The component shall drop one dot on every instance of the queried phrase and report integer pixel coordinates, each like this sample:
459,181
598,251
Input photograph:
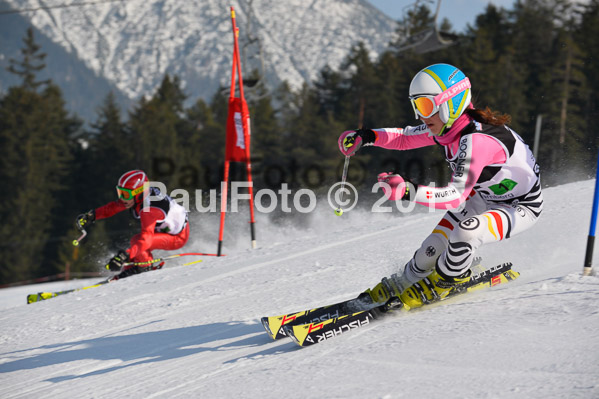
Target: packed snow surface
194,331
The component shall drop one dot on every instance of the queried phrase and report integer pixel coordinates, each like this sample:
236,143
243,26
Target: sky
458,12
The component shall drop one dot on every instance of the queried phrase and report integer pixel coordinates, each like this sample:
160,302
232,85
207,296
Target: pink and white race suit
494,192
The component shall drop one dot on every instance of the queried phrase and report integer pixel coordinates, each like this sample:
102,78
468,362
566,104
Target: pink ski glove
349,142
394,186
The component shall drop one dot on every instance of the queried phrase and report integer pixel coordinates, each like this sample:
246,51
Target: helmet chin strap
448,123
443,130
446,127
451,121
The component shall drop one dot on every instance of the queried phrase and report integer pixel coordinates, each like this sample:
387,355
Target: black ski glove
116,263
86,219
368,135
130,272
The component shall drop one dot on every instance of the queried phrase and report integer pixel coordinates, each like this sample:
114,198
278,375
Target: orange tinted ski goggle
428,105
128,194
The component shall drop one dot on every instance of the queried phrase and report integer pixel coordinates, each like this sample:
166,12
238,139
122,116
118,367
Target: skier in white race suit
494,192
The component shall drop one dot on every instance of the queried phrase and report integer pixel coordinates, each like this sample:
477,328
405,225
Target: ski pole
168,258
339,211
192,263
78,240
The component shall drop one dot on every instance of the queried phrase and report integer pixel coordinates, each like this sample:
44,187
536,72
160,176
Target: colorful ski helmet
131,185
440,88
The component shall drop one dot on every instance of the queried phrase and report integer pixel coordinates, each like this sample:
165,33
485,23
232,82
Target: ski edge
312,333
273,325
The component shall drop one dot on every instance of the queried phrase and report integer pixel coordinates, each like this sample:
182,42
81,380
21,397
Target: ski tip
31,298
511,275
290,333
266,326
40,296
274,326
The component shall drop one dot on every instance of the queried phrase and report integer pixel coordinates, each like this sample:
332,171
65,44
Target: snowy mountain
194,331
83,90
134,43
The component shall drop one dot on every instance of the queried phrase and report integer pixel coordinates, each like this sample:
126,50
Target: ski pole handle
78,240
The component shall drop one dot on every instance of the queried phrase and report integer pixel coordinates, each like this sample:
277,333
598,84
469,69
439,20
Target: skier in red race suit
163,223
494,192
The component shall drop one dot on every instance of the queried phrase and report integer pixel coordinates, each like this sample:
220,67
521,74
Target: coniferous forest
534,59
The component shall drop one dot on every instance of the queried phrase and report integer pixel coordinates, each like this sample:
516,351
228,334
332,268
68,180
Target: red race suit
163,224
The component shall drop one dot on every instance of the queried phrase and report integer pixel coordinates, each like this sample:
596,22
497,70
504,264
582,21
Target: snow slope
194,331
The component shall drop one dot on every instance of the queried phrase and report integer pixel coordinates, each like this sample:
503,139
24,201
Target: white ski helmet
440,88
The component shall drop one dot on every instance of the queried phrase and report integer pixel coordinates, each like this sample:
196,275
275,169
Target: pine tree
417,20
488,58
36,136
102,155
587,37
155,127
266,138
112,151
208,123
390,106
310,140
362,86
31,64
571,84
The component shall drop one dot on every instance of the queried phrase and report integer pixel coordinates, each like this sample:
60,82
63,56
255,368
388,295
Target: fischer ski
274,325
319,324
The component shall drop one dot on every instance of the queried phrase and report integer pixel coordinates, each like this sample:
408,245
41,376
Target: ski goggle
128,194
426,106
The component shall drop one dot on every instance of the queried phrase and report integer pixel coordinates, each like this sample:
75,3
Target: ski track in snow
195,331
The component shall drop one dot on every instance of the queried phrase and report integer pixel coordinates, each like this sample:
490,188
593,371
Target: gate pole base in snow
253,233
588,259
587,270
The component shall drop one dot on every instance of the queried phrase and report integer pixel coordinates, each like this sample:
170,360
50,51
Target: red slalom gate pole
237,146
223,208
246,127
